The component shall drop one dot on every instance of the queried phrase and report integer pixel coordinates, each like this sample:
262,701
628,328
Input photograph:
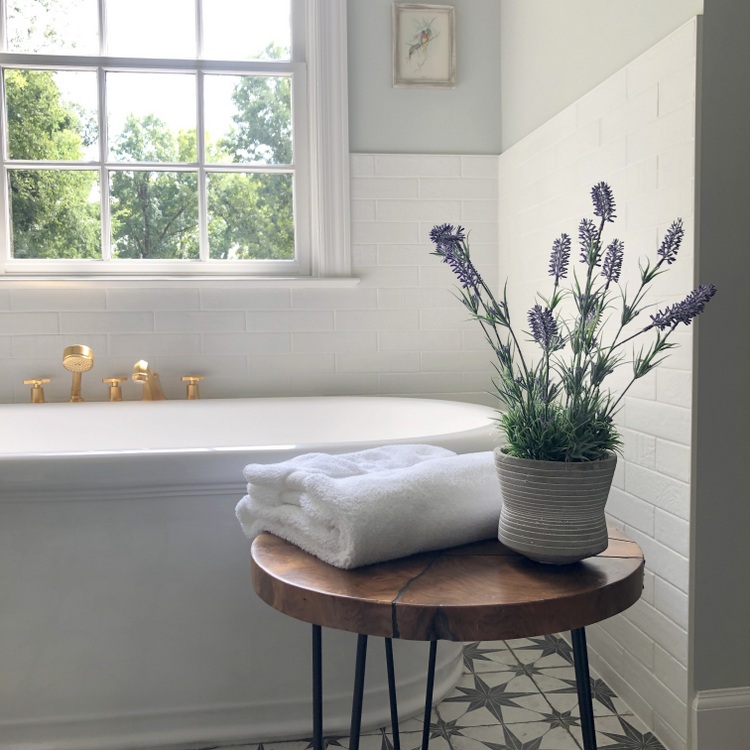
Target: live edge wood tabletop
475,592
480,591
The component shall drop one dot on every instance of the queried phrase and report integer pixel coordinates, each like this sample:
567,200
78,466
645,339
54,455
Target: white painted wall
519,63
554,51
635,131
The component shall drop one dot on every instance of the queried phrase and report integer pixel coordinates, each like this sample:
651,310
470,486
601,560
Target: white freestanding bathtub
127,616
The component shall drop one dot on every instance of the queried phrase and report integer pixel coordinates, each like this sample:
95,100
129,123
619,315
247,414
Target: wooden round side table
475,592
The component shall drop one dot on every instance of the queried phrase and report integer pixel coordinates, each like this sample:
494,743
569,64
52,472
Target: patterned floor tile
383,740
488,657
534,736
514,695
622,733
493,697
544,651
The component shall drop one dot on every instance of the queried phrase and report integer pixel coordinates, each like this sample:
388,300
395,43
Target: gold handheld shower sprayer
77,359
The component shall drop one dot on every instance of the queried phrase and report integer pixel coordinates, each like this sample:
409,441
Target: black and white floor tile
513,695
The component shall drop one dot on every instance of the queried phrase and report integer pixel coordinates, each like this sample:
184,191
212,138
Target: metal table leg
428,695
583,685
359,688
317,688
358,693
392,693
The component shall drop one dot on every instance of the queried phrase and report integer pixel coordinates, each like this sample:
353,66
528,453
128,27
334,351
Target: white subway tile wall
636,131
399,332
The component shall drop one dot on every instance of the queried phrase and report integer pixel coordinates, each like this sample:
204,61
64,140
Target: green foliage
262,130
551,432
52,212
154,213
250,216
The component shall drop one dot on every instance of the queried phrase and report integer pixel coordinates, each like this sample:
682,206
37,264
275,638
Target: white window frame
321,154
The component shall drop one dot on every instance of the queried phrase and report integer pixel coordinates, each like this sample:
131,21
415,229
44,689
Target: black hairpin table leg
392,693
317,688
359,689
428,695
583,686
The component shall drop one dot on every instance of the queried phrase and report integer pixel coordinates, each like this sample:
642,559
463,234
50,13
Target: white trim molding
720,719
329,139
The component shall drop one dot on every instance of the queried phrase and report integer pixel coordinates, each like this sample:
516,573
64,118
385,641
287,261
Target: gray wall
519,63
464,120
721,511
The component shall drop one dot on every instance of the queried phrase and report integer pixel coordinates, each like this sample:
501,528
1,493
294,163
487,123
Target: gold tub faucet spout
149,379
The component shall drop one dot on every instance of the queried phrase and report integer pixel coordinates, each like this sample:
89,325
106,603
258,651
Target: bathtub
128,618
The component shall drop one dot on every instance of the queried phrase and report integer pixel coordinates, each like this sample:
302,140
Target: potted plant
557,412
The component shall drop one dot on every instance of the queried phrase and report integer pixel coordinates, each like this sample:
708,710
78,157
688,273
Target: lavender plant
557,408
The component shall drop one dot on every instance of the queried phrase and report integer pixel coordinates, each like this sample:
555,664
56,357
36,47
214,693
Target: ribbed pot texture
553,511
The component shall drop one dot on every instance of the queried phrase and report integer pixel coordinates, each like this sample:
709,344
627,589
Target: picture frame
424,45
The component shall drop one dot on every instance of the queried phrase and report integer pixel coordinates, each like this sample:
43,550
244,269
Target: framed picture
424,45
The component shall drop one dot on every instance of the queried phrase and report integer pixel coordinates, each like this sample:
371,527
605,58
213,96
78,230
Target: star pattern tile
548,645
632,739
515,695
491,697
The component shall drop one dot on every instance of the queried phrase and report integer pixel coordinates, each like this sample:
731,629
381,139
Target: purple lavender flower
588,237
463,268
612,266
604,201
558,264
444,235
671,242
544,328
450,246
685,311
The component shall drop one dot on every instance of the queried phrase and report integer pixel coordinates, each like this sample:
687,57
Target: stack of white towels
372,505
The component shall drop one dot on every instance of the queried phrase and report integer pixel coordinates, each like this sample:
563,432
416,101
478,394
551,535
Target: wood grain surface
475,592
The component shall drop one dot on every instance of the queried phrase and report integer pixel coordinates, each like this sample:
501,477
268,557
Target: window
173,137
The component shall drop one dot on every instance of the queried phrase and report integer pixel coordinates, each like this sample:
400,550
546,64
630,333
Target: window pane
151,117
51,115
54,214
151,28
246,29
154,215
251,116
53,26
250,216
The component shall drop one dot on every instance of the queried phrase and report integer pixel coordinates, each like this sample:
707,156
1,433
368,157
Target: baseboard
216,726
720,719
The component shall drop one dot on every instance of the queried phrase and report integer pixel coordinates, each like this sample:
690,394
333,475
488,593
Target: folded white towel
284,481
359,508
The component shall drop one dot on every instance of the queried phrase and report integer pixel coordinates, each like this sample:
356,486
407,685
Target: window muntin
223,137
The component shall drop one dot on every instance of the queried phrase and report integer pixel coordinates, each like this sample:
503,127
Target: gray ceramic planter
553,511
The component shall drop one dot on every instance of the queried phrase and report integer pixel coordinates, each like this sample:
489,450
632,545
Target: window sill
179,282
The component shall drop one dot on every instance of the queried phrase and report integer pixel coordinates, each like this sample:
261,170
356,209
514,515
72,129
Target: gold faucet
115,389
77,359
37,392
143,374
192,385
